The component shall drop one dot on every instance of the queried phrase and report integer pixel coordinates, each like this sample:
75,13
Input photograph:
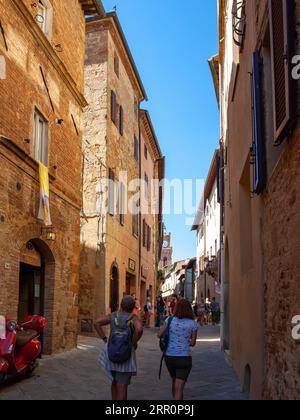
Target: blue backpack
164,339
121,339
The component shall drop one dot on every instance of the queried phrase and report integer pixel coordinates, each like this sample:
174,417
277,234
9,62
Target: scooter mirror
12,326
2,328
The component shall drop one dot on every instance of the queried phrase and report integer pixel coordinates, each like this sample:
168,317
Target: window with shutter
3,37
135,225
116,65
281,28
144,233
136,149
148,238
122,203
40,138
218,169
121,121
113,105
146,186
257,118
111,193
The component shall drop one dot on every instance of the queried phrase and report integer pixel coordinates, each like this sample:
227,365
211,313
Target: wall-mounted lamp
49,233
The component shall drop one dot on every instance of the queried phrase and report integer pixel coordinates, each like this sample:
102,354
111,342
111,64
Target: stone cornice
47,48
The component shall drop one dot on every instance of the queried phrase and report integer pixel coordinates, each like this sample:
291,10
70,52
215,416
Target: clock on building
166,244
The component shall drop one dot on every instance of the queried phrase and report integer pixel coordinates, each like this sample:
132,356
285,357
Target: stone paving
76,376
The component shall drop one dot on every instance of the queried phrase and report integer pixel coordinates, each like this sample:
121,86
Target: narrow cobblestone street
75,375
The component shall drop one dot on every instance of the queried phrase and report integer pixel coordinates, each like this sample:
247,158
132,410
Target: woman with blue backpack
178,335
118,358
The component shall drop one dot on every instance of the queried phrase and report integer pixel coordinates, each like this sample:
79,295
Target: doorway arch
114,288
226,299
37,285
31,282
247,379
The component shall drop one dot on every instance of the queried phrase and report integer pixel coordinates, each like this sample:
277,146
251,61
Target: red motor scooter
21,348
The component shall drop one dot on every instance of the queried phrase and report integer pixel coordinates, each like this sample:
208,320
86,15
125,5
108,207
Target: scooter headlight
12,326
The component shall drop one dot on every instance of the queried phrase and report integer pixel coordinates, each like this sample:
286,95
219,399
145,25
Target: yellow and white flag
44,211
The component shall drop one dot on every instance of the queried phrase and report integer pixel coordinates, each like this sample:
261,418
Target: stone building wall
148,257
281,233
243,274
263,269
93,225
122,246
105,242
29,51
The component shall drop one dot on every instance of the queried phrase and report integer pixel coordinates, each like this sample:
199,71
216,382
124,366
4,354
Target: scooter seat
24,337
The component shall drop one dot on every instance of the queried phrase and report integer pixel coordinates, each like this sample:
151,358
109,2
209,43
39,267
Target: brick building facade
259,98
41,119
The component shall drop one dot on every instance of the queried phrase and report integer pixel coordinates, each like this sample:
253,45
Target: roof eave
128,51
214,64
92,8
149,120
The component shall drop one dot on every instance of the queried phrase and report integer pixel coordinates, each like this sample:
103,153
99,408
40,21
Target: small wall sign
131,265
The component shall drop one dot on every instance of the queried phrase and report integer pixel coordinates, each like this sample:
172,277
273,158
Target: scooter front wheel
31,369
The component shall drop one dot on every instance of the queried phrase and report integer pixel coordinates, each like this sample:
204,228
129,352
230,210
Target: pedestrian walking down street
182,337
148,312
215,312
208,311
195,309
201,313
161,311
137,308
118,357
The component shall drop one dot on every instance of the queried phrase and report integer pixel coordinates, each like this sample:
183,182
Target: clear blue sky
171,41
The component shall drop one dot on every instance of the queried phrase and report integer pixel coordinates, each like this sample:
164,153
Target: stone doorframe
32,233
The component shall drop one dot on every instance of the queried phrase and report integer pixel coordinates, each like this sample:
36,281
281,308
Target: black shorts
179,367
